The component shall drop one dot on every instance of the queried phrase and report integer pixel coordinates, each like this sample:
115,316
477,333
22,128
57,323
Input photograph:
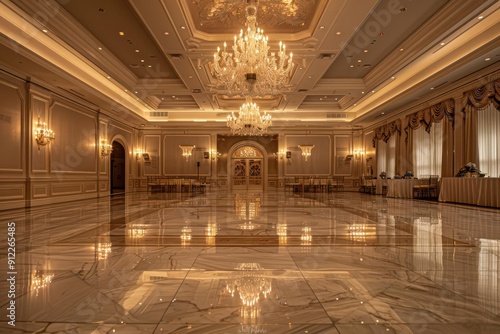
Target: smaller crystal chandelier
187,151
43,135
249,121
40,280
106,148
306,150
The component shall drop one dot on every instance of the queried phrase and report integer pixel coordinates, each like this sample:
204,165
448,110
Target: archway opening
117,171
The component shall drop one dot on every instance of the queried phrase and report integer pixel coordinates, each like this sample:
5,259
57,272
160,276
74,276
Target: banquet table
483,191
379,186
401,188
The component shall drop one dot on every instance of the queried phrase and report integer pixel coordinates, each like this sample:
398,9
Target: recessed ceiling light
326,97
45,30
135,92
322,27
401,49
355,104
190,77
166,33
310,76
136,50
303,24
359,60
99,48
362,92
487,59
365,51
108,77
300,68
432,88
382,113
373,91
142,60
338,33
480,17
443,43
121,33
352,66
126,90
183,27
173,96
392,78
149,66
321,99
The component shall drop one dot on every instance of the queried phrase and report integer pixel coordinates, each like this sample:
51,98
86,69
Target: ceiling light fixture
249,121
250,69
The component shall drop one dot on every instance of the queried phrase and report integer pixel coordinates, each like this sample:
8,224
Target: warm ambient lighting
249,69
43,135
281,154
306,150
358,153
106,148
249,121
40,280
187,151
214,154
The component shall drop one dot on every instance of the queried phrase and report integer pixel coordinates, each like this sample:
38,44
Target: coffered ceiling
149,60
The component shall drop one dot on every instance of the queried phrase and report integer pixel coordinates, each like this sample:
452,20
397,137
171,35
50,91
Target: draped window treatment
436,141
428,151
481,129
488,137
386,156
385,139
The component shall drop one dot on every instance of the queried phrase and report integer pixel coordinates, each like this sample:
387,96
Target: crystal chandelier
250,69
249,121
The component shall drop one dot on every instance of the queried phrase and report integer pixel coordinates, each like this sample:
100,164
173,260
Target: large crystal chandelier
249,121
250,69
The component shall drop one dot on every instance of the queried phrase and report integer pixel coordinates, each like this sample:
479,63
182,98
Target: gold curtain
385,131
428,116
473,101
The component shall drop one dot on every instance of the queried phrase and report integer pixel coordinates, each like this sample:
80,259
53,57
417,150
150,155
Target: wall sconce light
358,153
281,154
138,154
43,135
214,154
187,150
106,148
306,150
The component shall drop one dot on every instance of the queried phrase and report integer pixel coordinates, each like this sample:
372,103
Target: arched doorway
247,168
117,170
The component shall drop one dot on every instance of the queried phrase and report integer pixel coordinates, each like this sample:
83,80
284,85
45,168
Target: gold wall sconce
212,154
187,151
106,148
306,150
43,135
358,153
280,155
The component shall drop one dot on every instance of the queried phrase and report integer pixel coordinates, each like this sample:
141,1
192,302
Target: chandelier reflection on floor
250,69
249,121
250,282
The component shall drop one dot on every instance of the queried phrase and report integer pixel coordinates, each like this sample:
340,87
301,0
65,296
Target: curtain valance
386,131
479,98
433,114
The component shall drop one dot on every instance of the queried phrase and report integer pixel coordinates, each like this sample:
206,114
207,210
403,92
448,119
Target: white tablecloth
401,188
379,184
484,191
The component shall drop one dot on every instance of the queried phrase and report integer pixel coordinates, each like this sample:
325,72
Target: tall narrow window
428,150
488,133
386,156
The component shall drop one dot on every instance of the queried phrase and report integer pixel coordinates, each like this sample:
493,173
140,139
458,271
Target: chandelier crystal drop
250,69
249,121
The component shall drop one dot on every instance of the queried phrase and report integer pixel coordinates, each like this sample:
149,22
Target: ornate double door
247,169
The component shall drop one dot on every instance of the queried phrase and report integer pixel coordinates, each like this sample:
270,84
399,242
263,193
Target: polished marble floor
245,262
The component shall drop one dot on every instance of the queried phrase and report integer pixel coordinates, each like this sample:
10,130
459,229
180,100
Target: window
488,133
386,156
428,150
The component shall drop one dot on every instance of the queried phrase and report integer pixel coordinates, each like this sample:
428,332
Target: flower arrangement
470,169
383,175
408,175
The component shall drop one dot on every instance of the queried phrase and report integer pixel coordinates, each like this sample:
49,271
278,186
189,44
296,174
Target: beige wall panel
90,187
66,189
11,192
369,158
11,107
343,149
318,164
40,190
104,185
175,164
74,149
152,147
